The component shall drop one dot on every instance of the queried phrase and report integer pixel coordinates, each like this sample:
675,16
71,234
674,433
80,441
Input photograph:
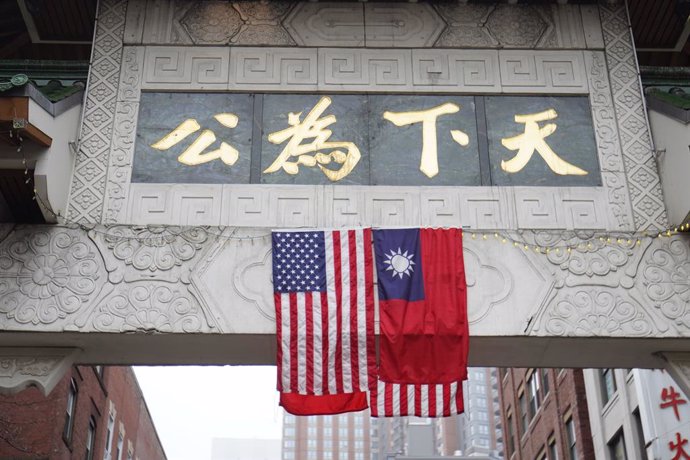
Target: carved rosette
48,275
154,248
147,307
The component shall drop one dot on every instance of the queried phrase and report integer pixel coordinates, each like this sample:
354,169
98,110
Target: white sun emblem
400,263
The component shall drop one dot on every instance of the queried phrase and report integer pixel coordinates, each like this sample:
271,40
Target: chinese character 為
671,398
194,154
428,164
533,139
345,154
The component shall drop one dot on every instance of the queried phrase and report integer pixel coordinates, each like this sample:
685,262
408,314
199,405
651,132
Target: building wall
564,401
336,437
32,424
673,138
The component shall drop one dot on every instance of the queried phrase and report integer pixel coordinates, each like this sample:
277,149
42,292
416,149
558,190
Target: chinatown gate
207,124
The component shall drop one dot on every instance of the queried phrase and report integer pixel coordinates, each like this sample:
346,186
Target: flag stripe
331,313
345,315
433,400
318,343
279,339
338,277
354,311
309,329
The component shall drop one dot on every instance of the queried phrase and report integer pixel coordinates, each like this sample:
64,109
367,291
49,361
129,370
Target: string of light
620,239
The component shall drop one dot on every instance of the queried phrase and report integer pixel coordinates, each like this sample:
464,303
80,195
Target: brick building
545,414
94,412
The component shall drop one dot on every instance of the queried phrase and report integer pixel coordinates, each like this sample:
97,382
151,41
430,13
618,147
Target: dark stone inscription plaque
573,139
394,139
161,113
396,151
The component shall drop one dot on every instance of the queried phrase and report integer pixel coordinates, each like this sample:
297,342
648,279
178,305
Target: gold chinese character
428,164
533,139
313,127
194,154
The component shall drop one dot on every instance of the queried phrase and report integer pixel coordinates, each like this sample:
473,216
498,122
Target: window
289,419
608,385
617,447
342,444
328,432
544,374
327,421
359,421
483,429
570,438
311,443
344,455
541,455
288,455
524,420
109,436
120,443
639,432
289,431
534,398
342,432
90,438
69,412
359,432
481,415
312,431
289,443
480,402
311,455
553,451
511,441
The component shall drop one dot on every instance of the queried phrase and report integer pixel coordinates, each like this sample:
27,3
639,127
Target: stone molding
42,367
291,206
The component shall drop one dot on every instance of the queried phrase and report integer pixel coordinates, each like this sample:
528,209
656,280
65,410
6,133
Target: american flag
323,290
421,400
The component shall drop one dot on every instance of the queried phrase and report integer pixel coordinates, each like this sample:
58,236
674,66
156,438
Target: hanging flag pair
325,314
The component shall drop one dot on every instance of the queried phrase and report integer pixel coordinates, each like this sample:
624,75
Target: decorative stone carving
221,23
489,283
120,157
155,247
666,282
519,26
648,207
147,307
465,25
47,275
595,312
43,367
89,179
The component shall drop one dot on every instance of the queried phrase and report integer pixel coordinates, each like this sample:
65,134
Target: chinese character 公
428,163
671,398
345,154
194,154
678,448
533,139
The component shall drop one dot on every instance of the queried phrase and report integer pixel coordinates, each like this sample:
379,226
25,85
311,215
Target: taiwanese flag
423,306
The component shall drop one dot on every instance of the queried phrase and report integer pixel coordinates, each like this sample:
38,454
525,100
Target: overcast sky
191,405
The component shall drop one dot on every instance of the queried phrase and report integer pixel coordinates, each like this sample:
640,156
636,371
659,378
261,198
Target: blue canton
299,262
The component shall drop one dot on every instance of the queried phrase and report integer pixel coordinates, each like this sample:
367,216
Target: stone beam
176,295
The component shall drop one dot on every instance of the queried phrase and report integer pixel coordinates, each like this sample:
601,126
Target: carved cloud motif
667,280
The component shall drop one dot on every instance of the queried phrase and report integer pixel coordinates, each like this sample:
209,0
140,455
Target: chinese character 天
194,154
428,163
533,139
318,152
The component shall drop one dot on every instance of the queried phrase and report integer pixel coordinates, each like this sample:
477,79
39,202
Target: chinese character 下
533,139
678,448
345,154
428,163
194,154
671,398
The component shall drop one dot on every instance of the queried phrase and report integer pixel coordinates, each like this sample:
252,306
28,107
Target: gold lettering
345,154
428,163
533,139
194,154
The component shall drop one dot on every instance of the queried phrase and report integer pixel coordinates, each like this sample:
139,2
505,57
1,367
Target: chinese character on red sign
671,398
677,448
